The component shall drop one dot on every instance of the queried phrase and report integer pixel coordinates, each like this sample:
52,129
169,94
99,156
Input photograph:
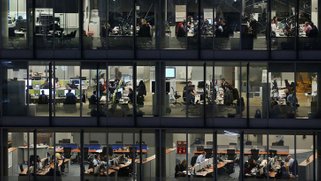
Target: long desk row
45,170
283,153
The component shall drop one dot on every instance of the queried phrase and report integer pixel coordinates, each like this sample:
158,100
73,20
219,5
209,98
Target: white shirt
200,158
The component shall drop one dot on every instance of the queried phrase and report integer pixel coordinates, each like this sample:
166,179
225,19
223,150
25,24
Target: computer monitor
170,72
168,87
46,91
60,93
75,81
153,86
201,84
72,91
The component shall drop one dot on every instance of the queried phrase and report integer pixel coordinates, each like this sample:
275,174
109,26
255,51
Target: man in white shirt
201,158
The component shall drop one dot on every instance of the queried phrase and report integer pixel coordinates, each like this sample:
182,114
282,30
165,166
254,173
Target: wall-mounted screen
170,72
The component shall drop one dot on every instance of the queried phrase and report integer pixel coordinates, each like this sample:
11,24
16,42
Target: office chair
272,153
176,96
231,155
67,152
255,154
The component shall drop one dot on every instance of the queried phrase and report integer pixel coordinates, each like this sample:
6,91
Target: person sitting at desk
293,166
180,168
43,98
201,158
93,99
188,93
70,98
45,85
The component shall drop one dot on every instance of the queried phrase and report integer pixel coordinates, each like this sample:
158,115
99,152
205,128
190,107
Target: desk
283,153
77,150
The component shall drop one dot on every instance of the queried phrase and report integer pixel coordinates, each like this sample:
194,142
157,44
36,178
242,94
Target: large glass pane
14,24
207,24
258,93
283,103
124,155
56,24
18,156
119,92
97,163
89,76
147,154
228,155
15,89
120,23
254,23
283,25
200,156
210,91
176,156
308,24
194,92
67,155
145,24
175,99
39,88
180,19
45,166
255,160
283,157
304,157
228,102
67,90
96,27
146,94
227,15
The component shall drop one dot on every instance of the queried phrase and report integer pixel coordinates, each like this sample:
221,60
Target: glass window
176,159
39,88
91,92
283,98
304,157
145,24
15,89
126,147
146,91
147,154
228,154
56,24
19,153
227,24
226,91
254,23
207,24
15,27
119,92
96,27
68,87
255,160
257,86
99,155
67,155
120,23
181,21
309,25
283,25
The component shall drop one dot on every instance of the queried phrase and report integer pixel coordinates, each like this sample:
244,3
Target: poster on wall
180,13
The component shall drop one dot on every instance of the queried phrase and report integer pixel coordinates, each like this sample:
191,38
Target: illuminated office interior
94,90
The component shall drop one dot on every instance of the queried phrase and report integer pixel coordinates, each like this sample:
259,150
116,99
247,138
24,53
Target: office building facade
139,89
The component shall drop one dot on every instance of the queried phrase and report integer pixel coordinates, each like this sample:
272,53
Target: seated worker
70,98
180,168
93,99
188,93
58,157
201,157
45,85
43,98
293,166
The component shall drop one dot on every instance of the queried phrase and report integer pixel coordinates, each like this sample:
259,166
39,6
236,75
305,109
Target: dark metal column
241,156
318,147
82,167
160,154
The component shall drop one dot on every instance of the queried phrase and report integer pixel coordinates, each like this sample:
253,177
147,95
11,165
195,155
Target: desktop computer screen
170,72
72,91
46,91
75,81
